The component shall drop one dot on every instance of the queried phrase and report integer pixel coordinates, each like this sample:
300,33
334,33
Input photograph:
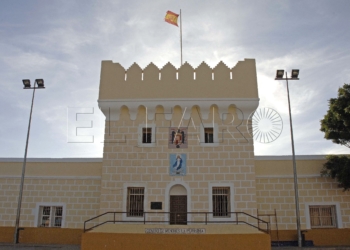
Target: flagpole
181,36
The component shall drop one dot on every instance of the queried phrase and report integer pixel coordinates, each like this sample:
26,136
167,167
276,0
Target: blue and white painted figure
177,164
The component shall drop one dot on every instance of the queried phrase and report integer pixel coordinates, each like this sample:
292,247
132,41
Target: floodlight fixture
279,74
295,73
40,83
294,76
26,83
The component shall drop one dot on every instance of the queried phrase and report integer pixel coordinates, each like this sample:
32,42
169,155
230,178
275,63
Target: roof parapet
185,82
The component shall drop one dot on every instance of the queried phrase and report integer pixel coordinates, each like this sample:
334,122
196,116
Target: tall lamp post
279,76
40,85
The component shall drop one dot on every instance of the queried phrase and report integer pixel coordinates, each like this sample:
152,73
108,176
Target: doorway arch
179,193
178,205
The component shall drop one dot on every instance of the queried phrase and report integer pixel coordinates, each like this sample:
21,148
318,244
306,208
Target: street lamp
294,76
40,85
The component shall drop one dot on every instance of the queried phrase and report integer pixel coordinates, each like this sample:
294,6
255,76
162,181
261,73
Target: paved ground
4,246
310,248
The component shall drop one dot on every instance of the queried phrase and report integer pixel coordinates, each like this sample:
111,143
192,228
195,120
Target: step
176,229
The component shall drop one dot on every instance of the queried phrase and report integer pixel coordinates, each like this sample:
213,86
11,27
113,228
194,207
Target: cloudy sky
64,42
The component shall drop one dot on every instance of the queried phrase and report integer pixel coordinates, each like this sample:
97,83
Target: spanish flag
171,17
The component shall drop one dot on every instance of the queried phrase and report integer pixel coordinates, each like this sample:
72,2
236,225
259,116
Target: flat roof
289,157
257,157
52,159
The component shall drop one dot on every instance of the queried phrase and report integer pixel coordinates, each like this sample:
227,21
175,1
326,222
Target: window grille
323,217
135,201
208,135
50,216
146,135
58,216
221,201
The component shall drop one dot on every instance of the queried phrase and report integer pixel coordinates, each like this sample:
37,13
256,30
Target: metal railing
232,218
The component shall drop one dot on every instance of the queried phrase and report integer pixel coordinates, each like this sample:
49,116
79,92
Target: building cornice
245,106
288,157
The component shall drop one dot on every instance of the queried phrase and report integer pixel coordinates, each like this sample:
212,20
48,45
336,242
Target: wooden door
178,209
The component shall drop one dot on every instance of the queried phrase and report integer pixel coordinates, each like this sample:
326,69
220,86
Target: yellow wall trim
108,241
320,237
40,235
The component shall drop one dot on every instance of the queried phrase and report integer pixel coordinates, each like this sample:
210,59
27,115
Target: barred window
135,201
146,135
208,135
323,216
221,201
50,216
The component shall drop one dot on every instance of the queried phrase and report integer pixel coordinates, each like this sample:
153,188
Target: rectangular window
221,201
135,201
209,135
50,216
146,135
323,216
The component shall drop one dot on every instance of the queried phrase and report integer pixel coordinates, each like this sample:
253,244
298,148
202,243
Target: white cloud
64,43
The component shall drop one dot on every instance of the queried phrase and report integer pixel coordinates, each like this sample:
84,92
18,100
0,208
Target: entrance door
178,209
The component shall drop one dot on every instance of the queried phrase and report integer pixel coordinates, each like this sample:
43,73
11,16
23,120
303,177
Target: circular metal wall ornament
265,125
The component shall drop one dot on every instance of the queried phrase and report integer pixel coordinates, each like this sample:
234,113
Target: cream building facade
205,105
70,184
75,184
177,142
318,196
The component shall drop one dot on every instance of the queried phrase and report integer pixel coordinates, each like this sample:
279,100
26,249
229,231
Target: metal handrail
205,221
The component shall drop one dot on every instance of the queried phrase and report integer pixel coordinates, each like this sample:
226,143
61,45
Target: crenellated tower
176,140
186,87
